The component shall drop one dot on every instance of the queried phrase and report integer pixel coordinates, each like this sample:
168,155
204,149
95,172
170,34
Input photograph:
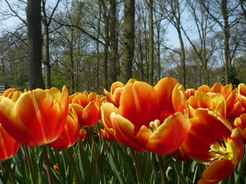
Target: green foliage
58,80
233,79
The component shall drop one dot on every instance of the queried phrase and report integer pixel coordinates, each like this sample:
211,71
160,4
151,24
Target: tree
151,43
114,56
47,22
225,14
34,33
172,11
204,46
128,40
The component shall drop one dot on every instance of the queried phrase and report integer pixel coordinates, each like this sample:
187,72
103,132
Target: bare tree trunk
46,23
226,31
47,58
151,44
128,40
71,57
113,66
106,46
34,44
182,48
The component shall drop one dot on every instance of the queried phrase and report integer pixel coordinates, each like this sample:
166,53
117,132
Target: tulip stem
49,172
74,165
10,170
137,166
29,162
163,169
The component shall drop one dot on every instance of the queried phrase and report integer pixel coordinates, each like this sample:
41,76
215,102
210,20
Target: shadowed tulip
37,117
8,145
56,168
82,134
149,118
70,134
240,124
213,139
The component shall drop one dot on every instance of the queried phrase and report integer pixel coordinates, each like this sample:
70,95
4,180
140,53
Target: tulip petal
216,172
164,89
124,132
170,135
139,104
91,115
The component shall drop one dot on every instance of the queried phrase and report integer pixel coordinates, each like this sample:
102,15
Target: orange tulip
37,117
114,95
56,167
8,145
240,124
213,139
88,110
70,134
82,134
148,118
223,99
116,89
12,93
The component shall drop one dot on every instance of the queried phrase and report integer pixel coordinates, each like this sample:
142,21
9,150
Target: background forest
89,44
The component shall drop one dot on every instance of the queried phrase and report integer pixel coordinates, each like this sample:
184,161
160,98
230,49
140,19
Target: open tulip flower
88,110
37,117
223,99
70,134
149,118
214,140
8,145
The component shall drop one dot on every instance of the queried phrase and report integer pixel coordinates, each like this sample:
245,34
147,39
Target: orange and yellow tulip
88,108
70,134
82,134
148,118
37,117
116,89
214,140
56,168
8,145
223,99
12,93
240,124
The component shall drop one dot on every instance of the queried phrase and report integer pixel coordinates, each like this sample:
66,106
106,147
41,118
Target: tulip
240,124
56,167
82,134
8,145
223,99
116,89
149,118
37,117
12,93
70,134
214,140
88,110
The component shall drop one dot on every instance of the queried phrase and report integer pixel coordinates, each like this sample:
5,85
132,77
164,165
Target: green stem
10,170
137,166
232,178
29,163
240,170
163,169
46,159
74,165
